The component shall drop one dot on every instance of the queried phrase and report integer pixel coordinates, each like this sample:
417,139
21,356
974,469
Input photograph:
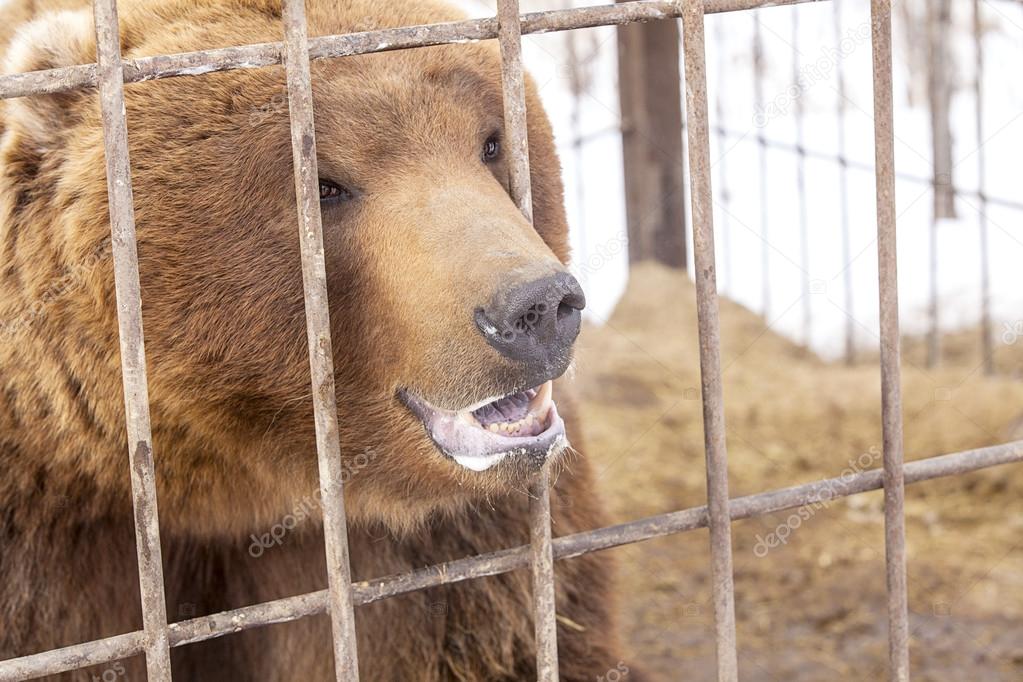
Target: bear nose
535,322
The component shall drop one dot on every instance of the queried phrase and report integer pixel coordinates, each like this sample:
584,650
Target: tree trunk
651,112
939,79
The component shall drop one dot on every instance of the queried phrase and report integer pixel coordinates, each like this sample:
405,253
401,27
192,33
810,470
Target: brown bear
451,315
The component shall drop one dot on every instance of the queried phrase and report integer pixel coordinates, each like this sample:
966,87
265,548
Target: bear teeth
533,404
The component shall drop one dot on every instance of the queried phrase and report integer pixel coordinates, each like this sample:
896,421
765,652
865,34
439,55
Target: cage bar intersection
295,51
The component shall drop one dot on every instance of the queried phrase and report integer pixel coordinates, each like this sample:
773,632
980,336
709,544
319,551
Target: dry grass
814,608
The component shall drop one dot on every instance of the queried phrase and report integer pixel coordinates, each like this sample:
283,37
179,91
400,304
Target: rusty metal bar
513,82
542,566
268,54
516,140
891,391
494,563
268,613
73,657
321,363
132,341
710,338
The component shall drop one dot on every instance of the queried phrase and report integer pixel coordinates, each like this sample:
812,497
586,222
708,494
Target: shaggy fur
429,235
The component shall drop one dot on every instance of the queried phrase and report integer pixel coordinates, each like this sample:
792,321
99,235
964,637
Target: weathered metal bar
891,390
73,657
513,82
268,54
132,342
257,615
516,139
321,363
503,561
710,338
545,624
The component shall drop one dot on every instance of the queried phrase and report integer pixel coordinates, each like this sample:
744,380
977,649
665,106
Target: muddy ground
813,607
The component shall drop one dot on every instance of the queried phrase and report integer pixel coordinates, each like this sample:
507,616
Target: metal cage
295,52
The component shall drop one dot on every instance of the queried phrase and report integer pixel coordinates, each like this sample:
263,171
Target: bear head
450,313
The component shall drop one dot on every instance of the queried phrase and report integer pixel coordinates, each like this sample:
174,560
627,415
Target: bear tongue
511,408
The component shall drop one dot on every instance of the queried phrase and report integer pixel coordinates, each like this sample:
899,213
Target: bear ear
53,40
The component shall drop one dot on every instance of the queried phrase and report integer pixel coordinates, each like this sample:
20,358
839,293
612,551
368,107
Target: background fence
158,636
791,162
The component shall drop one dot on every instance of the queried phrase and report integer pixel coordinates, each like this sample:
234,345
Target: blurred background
791,115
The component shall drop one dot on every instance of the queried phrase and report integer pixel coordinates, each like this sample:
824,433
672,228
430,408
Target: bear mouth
524,424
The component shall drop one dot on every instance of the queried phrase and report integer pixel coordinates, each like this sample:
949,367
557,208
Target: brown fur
431,235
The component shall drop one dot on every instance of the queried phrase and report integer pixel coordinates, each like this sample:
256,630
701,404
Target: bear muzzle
524,425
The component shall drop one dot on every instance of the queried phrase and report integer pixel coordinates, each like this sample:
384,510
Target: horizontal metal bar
503,561
74,657
259,55
228,622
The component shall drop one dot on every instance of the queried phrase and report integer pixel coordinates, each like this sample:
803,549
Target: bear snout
535,323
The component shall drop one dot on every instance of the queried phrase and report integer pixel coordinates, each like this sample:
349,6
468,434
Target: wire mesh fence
809,135
944,188
295,51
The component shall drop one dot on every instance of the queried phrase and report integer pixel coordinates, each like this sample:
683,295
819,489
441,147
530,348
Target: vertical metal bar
758,96
321,363
513,82
542,566
804,228
517,142
986,340
710,339
891,398
132,342
843,192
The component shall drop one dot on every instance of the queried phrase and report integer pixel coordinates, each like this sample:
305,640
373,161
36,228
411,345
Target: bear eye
331,191
491,148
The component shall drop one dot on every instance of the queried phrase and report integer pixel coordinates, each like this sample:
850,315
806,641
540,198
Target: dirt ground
813,607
